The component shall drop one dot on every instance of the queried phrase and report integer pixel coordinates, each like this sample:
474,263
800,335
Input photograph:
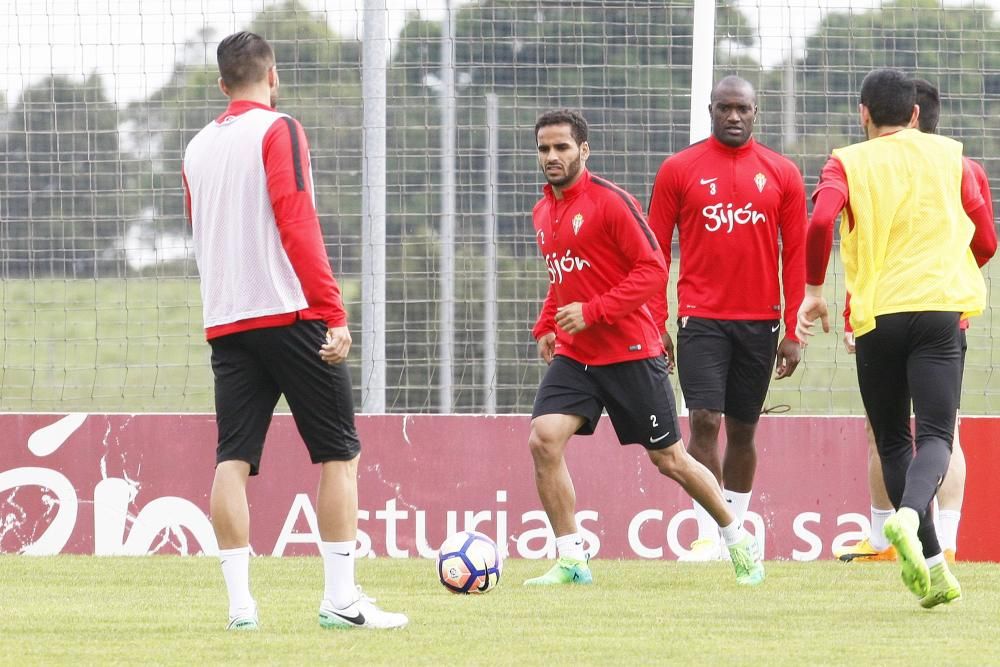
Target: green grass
172,610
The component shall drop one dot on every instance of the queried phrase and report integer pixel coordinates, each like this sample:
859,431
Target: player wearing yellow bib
875,547
905,244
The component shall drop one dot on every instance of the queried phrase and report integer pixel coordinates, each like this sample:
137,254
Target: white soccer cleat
702,551
244,620
362,613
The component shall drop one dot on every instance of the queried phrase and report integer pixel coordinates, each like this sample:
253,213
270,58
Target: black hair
576,121
889,95
244,58
929,101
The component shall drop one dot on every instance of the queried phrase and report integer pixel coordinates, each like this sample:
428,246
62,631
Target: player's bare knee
705,423
545,447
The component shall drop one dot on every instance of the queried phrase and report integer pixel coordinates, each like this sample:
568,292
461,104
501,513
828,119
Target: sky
133,44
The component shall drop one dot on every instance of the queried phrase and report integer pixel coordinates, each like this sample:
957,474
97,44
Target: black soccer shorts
254,368
726,365
636,394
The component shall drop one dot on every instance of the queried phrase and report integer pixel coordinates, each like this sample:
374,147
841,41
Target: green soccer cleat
565,571
901,529
747,561
944,587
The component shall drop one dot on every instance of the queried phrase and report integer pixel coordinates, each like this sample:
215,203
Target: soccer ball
469,562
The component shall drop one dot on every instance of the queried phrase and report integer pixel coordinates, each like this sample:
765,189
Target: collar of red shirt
730,150
237,107
572,191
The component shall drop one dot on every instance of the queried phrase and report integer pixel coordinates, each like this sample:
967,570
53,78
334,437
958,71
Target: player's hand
338,344
813,307
849,342
668,352
547,347
789,356
569,318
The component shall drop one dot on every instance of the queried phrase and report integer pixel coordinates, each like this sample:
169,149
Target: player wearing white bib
274,318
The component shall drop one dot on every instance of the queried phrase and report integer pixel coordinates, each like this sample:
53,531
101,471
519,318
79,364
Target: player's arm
848,329
289,185
187,197
980,211
792,222
544,331
629,233
664,212
664,208
828,201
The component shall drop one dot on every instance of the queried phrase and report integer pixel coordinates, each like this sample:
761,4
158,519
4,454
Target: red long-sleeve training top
599,251
730,207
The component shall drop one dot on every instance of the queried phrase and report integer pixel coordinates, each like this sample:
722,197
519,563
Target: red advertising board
135,484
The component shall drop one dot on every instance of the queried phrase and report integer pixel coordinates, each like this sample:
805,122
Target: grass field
172,610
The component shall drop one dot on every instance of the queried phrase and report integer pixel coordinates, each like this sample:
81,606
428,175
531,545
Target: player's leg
882,356
876,546
566,404
754,348
952,491
245,397
950,498
934,370
640,404
703,357
321,401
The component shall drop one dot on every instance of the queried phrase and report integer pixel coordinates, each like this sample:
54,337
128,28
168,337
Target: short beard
572,171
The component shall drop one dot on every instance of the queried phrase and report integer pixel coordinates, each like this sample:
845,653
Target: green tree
63,205
957,49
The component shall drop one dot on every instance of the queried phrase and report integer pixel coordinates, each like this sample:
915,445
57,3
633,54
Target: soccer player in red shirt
602,346
876,546
276,324
730,199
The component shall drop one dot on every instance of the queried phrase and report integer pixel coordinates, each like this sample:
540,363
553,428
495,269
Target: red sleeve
792,222
978,205
546,322
630,234
847,314
289,183
664,210
829,200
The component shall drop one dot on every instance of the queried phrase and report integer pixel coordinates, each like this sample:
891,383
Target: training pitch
172,610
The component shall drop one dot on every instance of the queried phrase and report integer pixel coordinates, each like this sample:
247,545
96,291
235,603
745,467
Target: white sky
133,44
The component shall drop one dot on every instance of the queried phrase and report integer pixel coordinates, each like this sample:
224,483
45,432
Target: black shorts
254,368
636,394
726,365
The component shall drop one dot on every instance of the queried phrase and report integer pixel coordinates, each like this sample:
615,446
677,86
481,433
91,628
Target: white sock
338,573
708,529
733,533
935,560
571,546
877,537
236,571
947,528
738,503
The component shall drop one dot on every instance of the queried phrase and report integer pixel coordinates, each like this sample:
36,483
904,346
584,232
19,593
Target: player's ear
584,151
223,87
914,122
